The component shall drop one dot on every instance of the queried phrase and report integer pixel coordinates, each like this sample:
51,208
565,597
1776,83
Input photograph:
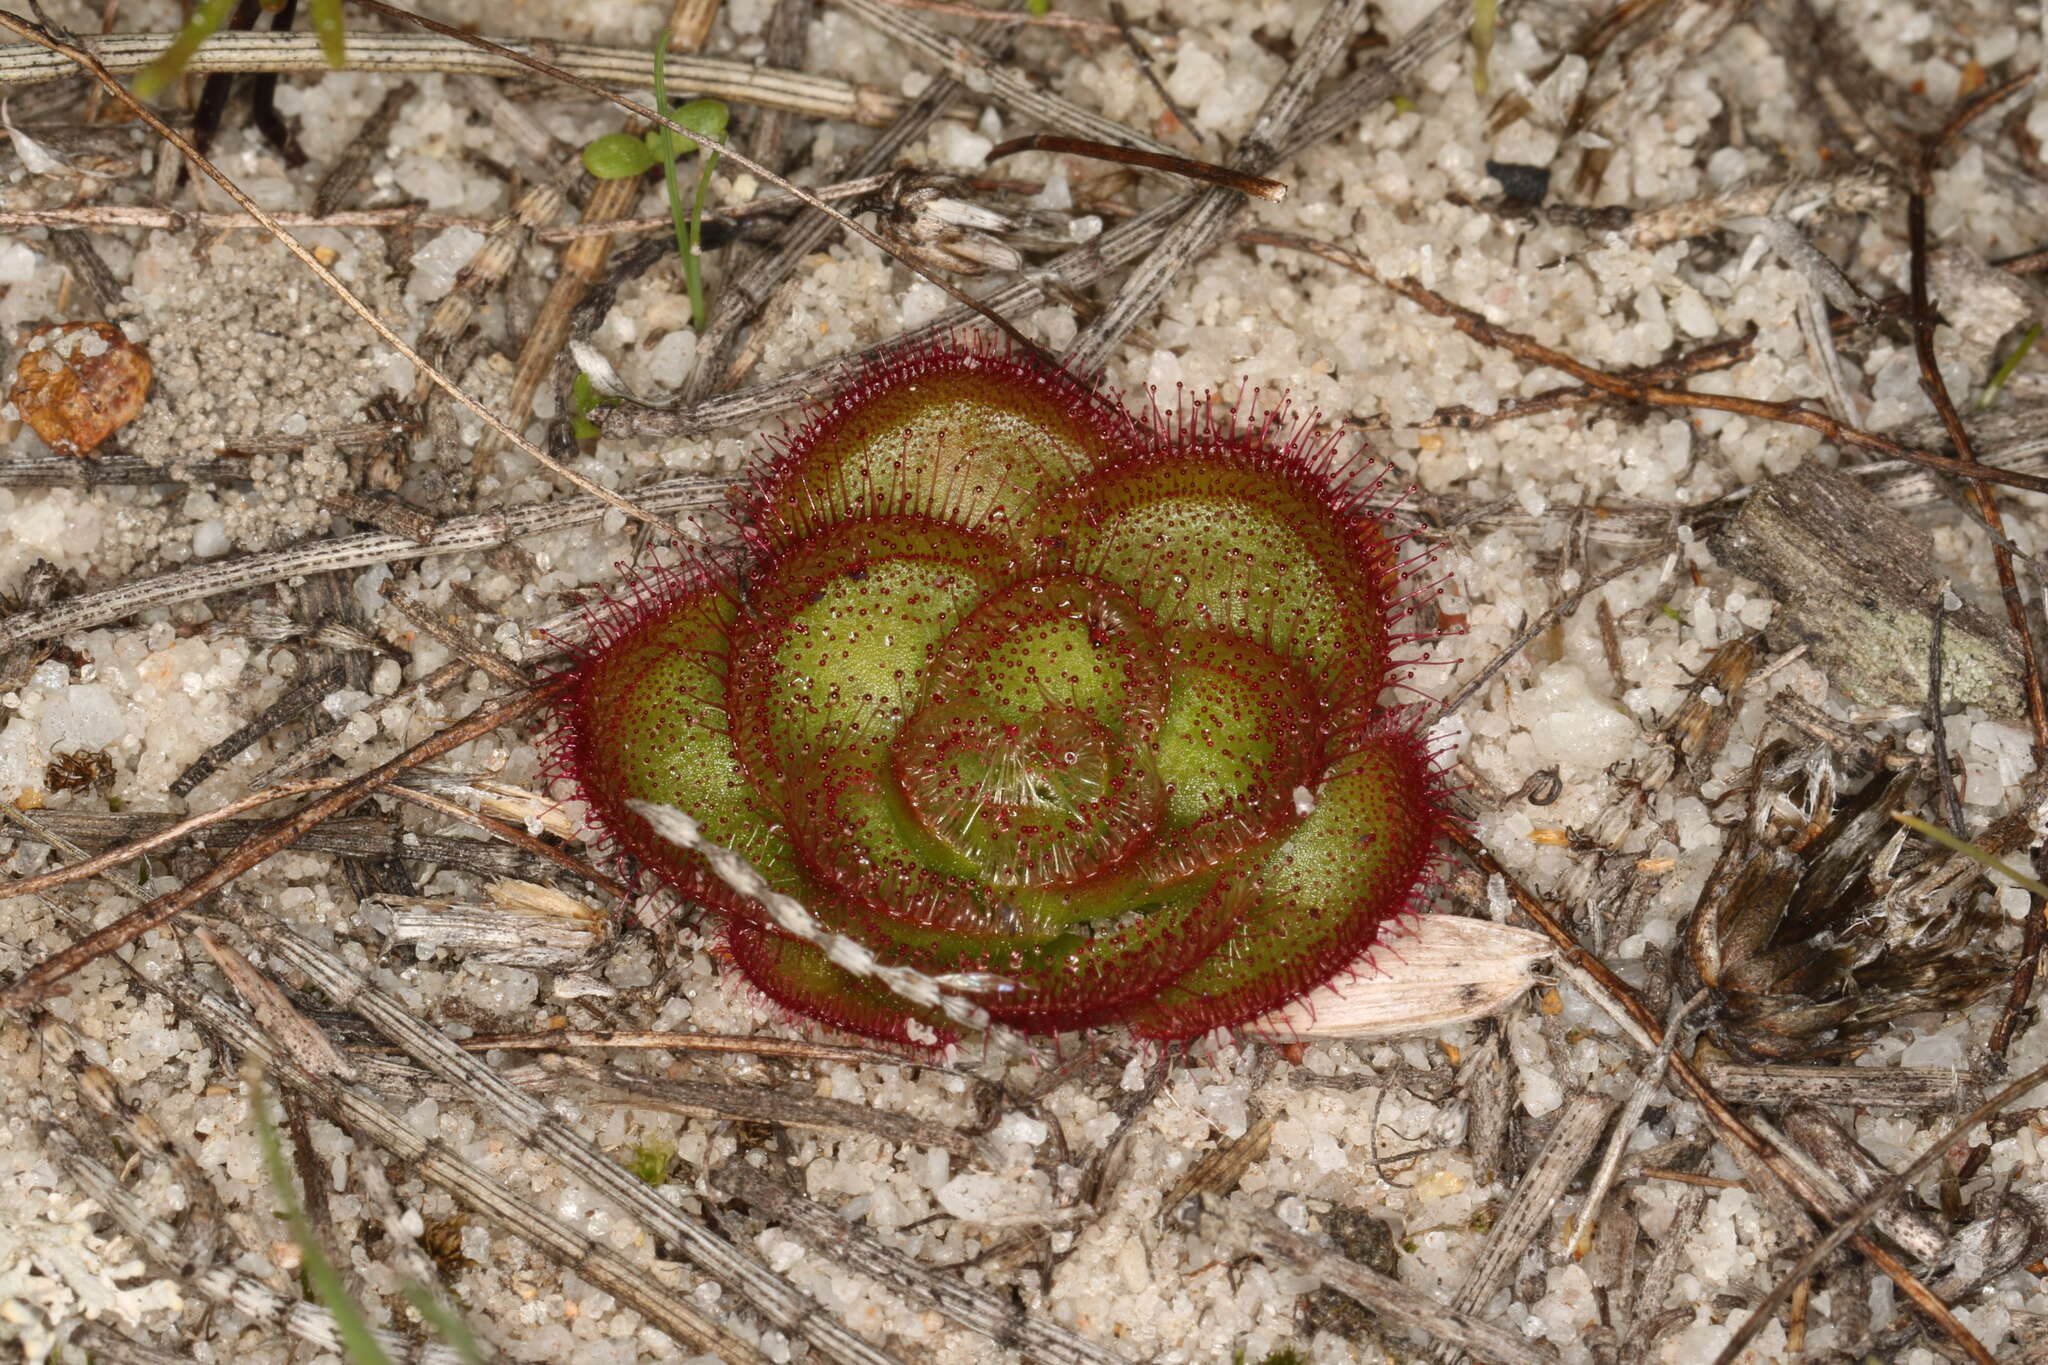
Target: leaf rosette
1015,688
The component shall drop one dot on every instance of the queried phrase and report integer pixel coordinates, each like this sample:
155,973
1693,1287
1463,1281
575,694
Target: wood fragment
1411,1309
1858,189
544,347
1256,186
90,268
298,702
300,1036
625,68
1218,1170
504,241
781,1303
1844,1173
372,839
1897,1088
609,1083
689,24
454,535
106,1344
529,927
1662,1272
1035,1336
1528,1212
354,162
1852,582
452,635
1489,1103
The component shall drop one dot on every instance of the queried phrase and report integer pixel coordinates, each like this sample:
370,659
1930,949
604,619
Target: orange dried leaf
77,383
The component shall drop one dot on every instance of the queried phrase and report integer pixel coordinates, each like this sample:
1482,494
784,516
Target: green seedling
584,399
650,1162
2007,366
706,117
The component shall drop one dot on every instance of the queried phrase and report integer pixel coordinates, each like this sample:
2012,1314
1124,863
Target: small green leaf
204,23
2007,366
585,399
333,42
708,117
618,156
1039,7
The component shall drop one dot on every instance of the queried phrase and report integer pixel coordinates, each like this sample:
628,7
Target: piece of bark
1855,583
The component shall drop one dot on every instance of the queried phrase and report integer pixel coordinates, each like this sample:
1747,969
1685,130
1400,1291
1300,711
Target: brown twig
169,834
1050,19
1208,172
1990,98
1634,391
36,982
1644,1021
1712,1182
1980,499
1718,355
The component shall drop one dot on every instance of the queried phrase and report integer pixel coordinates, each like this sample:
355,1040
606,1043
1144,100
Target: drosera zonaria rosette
1019,690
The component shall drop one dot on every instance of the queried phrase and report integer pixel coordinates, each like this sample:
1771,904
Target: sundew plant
1017,689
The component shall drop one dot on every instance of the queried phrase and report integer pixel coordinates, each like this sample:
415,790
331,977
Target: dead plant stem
33,984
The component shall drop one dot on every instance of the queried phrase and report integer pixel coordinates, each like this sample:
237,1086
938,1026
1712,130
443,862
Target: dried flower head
1022,691
1822,924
